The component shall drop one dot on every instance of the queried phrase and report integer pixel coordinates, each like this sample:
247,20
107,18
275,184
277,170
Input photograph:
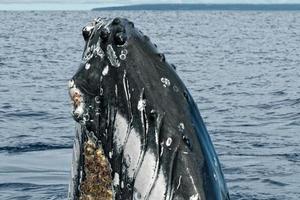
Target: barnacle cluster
97,184
77,100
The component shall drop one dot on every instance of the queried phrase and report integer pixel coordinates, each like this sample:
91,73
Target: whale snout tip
87,31
112,30
116,21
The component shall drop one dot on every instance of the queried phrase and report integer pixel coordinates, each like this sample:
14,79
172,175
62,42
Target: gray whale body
139,133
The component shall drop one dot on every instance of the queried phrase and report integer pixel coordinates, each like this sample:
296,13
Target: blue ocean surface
242,68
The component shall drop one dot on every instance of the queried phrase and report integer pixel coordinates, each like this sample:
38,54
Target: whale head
139,133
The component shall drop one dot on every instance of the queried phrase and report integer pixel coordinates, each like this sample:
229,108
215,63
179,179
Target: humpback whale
139,134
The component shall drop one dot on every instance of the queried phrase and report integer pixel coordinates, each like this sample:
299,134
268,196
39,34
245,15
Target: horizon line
93,6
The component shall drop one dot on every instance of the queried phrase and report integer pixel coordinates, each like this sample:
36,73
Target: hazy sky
149,1
89,4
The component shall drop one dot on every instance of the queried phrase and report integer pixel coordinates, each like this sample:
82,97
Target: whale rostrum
139,134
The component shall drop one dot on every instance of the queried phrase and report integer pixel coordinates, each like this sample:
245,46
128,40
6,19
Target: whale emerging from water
139,133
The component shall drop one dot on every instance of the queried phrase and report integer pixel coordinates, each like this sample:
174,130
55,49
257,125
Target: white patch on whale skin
165,81
141,104
132,152
111,54
195,197
116,179
149,168
121,127
159,189
105,70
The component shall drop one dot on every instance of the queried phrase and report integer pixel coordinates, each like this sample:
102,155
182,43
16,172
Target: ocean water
242,68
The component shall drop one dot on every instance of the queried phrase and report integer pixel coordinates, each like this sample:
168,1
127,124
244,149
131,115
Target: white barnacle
77,101
165,81
98,50
215,176
97,99
111,54
105,70
137,195
86,117
181,127
74,91
71,83
169,142
88,54
122,56
87,66
124,51
141,104
100,21
79,110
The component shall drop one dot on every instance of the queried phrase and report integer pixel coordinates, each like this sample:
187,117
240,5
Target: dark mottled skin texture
144,118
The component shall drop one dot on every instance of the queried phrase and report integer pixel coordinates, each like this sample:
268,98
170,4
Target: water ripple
242,69
33,147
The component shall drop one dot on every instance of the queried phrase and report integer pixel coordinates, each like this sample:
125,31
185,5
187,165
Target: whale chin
139,134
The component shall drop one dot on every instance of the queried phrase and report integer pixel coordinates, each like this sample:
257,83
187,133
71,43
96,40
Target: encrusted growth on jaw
77,100
97,184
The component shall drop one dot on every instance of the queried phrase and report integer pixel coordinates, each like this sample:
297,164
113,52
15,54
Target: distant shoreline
237,7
